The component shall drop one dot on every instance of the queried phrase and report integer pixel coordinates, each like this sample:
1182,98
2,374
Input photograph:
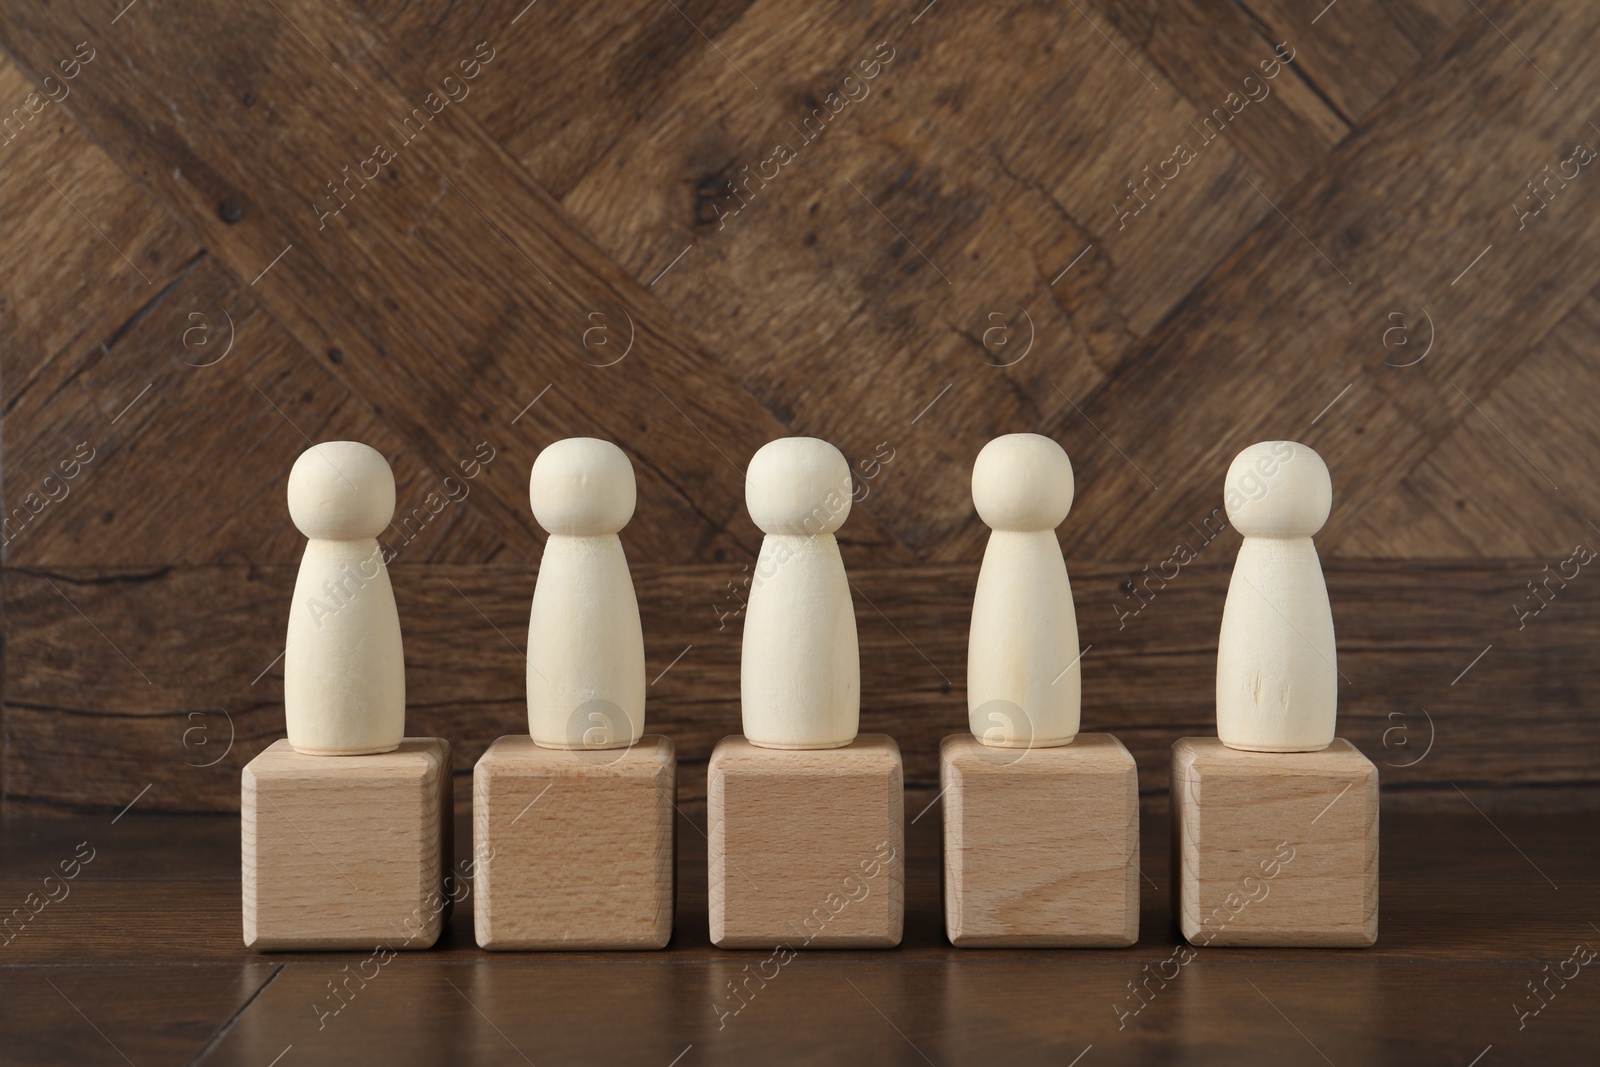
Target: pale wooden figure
585,646
347,852
1023,677
1041,842
573,825
800,678
1275,821
806,847
1277,683
344,685
1274,848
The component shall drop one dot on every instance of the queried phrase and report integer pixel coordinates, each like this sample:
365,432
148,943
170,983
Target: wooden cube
1274,848
346,852
807,847
574,849
1041,845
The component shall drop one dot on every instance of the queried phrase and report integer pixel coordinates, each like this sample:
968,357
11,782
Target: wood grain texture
1274,848
806,848
1409,634
489,1012
574,849
1041,846
97,1014
954,251
148,944
347,852
1427,855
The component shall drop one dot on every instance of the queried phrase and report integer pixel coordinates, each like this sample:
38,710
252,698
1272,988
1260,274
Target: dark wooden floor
142,961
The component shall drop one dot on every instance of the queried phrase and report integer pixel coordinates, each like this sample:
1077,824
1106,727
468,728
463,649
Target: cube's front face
1285,859
332,862
1041,852
566,861
807,861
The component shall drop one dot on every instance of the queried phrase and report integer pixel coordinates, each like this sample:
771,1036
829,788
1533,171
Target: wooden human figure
574,822
1041,823
585,645
804,847
800,678
1277,683
1275,820
344,686
346,783
1024,683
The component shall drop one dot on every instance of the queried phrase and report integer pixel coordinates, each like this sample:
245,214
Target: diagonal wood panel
1294,337
922,219
1359,50
1538,429
83,253
152,422
435,284
1209,50
581,81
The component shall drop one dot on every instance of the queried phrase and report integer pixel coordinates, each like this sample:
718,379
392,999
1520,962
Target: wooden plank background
472,230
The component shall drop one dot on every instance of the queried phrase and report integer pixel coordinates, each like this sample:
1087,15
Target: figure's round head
582,487
341,491
798,486
1278,489
1022,481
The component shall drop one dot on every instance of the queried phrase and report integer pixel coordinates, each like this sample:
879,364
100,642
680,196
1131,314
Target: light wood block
574,848
1041,846
346,852
807,847
1274,848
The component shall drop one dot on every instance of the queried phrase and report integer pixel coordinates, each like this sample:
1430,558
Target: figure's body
1277,680
344,685
800,678
585,645
1024,682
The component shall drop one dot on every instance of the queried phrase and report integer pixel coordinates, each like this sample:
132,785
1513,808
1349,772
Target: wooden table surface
141,961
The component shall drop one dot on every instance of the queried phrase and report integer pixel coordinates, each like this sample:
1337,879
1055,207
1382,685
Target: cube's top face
851,796
1091,754
651,757
869,755
1326,794
1300,794
1060,802
1207,759
417,759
